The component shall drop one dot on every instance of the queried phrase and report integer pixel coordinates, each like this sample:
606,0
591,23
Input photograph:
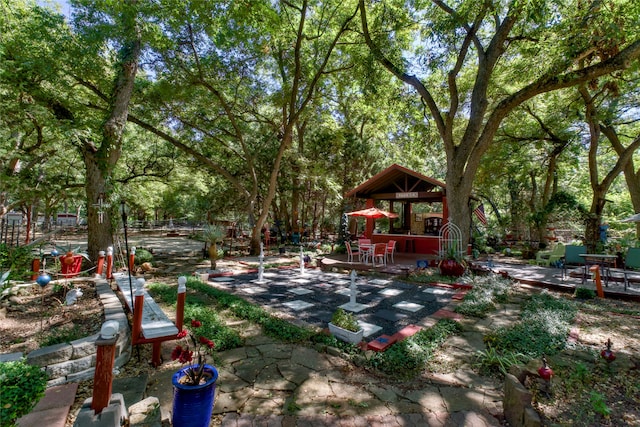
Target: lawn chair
550,258
379,252
391,249
631,264
351,253
572,257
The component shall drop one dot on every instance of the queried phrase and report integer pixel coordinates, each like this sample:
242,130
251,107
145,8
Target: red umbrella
373,213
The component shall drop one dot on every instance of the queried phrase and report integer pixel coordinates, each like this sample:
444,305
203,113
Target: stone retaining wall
76,361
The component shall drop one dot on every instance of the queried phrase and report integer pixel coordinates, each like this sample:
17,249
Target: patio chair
572,257
351,252
391,249
631,264
549,258
379,252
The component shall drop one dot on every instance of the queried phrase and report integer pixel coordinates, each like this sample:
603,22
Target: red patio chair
391,249
379,252
351,253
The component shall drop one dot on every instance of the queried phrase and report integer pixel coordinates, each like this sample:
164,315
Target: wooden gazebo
402,188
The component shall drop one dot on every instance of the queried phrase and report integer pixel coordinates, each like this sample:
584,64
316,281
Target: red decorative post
138,305
110,263
100,265
596,271
132,258
105,357
182,293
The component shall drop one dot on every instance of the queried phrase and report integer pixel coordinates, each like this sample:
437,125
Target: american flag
479,212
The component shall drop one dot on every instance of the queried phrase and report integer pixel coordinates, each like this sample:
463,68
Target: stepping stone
380,281
369,328
301,291
406,332
391,292
344,291
341,282
409,306
254,290
443,313
223,279
298,305
301,281
392,316
355,307
381,343
437,291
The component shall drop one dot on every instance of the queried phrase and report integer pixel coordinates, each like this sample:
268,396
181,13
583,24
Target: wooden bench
150,324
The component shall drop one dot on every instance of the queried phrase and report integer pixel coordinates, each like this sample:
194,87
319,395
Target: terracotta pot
451,267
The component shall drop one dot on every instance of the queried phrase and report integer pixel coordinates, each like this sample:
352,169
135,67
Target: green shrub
486,292
17,259
142,256
543,328
584,293
491,361
21,387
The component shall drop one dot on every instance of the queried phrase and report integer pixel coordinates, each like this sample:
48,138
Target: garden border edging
75,361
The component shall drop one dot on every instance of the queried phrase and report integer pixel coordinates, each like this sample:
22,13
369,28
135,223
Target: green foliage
486,292
543,328
213,327
598,404
345,320
21,387
491,361
17,259
584,293
213,233
285,331
62,335
404,358
142,256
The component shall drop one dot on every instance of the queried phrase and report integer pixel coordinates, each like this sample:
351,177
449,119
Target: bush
142,256
584,293
17,259
543,328
21,387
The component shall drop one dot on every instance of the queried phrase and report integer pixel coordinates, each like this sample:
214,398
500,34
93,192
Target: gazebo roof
399,183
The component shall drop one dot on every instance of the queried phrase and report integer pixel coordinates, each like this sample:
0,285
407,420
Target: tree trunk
101,161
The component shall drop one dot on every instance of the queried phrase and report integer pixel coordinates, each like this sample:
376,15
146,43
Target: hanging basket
193,405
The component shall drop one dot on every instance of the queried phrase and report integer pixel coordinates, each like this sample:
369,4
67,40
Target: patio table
603,260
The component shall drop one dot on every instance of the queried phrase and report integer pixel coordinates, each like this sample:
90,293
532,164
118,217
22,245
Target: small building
417,227
67,219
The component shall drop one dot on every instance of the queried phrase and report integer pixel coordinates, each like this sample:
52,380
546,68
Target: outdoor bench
150,324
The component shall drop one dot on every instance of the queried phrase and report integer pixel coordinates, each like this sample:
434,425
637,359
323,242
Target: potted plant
194,385
213,234
345,327
452,263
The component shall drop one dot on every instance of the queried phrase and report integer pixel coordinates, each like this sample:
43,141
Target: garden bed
39,317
